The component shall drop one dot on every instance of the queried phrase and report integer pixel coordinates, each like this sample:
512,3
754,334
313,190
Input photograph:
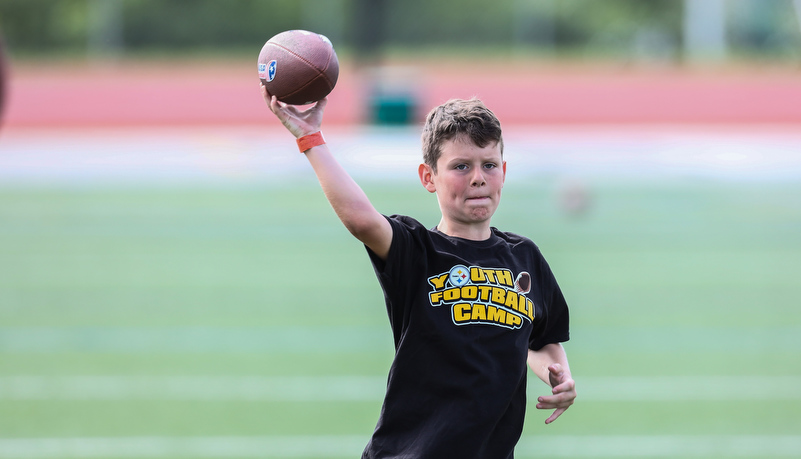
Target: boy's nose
478,179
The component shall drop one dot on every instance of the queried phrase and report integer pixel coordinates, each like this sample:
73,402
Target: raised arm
550,364
350,203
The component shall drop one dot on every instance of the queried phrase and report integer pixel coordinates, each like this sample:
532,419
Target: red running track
226,93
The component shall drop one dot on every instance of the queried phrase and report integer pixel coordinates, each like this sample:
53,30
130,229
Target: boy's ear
427,177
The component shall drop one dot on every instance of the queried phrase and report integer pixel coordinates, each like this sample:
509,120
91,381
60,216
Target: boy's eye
490,166
461,167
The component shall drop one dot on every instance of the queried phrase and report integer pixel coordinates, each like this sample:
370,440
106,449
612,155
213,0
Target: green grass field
243,321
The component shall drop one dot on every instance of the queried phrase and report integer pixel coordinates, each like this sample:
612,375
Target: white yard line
690,388
351,446
617,446
371,388
223,447
365,339
202,388
127,340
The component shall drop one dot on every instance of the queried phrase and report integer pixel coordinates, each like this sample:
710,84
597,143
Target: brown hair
455,118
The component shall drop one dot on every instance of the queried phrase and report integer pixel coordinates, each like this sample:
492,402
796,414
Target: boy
468,305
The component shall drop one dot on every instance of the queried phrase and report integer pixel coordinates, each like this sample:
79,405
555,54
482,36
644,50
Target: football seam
299,90
320,72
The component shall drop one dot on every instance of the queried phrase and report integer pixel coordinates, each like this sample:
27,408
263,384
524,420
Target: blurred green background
664,29
176,288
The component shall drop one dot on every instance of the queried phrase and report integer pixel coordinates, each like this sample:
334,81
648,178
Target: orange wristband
307,142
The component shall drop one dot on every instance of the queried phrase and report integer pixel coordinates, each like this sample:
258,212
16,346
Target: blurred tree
326,17
766,27
628,28
39,25
612,27
183,24
534,23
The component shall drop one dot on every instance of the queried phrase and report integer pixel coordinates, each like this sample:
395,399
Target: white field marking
222,447
126,340
204,388
371,388
351,446
689,388
660,446
305,340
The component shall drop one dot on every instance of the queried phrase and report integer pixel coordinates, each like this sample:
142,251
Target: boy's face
468,181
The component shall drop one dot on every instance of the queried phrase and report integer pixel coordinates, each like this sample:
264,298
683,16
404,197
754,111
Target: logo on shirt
479,295
459,275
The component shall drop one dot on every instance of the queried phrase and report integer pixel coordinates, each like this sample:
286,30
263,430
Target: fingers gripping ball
298,67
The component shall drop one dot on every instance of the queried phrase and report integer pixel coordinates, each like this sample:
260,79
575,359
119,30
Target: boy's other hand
298,122
564,393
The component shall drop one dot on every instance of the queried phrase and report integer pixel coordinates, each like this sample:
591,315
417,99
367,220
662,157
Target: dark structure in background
391,100
370,35
3,77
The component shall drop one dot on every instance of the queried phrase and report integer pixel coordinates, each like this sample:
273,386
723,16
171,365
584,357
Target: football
298,67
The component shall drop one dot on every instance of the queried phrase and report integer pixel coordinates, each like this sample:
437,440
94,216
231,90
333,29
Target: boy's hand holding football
299,122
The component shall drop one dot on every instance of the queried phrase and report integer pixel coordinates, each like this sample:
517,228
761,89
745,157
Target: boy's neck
472,232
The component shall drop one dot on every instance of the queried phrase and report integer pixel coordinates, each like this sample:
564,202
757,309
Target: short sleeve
554,324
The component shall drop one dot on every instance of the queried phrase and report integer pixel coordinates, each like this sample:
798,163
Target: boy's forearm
339,188
348,200
540,360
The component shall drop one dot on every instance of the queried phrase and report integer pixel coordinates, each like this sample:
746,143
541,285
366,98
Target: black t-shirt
463,315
